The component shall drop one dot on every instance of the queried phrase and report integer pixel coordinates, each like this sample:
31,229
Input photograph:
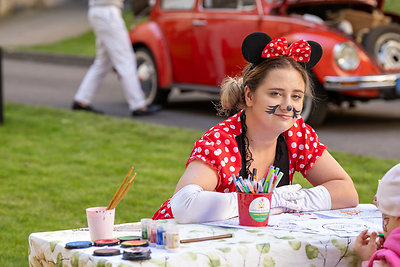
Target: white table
306,239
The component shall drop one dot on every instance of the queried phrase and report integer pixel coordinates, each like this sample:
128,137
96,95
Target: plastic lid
78,244
134,243
127,238
106,252
106,242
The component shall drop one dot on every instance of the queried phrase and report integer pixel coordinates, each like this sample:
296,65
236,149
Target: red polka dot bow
299,50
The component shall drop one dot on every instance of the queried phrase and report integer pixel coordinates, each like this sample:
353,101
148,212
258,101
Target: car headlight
346,56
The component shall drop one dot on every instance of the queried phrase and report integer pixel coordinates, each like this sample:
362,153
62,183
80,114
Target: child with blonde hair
388,202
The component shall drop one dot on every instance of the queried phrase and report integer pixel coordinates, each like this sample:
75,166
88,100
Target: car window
229,4
177,4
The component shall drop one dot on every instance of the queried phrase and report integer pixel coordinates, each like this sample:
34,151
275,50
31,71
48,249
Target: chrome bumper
371,82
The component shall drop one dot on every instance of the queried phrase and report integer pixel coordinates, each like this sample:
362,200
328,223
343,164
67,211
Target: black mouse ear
253,46
316,54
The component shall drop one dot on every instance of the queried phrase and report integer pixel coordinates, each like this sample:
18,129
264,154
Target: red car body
195,47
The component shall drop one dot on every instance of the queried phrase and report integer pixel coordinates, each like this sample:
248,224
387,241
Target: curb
61,59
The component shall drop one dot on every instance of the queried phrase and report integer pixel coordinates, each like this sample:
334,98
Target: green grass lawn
55,163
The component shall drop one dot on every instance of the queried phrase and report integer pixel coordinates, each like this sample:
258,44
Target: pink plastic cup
100,222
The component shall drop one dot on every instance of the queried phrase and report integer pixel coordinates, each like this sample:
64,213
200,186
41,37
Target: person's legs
101,65
116,40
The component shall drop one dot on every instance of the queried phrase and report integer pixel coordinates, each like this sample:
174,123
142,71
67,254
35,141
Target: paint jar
100,222
254,209
152,233
144,223
172,236
160,234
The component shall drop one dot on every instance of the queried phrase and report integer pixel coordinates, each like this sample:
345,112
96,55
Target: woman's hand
365,245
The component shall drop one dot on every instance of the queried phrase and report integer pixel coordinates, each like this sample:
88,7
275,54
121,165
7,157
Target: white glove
280,204
193,205
292,198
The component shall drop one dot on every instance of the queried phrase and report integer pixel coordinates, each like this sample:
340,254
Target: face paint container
145,223
254,209
172,237
100,222
160,234
152,233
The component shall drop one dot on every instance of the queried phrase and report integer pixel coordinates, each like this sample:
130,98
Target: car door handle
199,22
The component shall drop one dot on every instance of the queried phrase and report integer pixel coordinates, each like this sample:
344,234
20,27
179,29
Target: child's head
388,199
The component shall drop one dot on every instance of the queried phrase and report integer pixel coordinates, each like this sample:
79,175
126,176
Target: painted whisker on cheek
271,109
295,113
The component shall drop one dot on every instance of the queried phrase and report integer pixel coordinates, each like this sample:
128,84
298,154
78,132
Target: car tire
315,109
383,43
148,77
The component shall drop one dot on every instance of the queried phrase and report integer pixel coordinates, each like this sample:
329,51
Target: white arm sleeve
192,204
313,199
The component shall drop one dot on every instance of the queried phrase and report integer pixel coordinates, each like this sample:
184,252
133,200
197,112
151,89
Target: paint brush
121,191
205,238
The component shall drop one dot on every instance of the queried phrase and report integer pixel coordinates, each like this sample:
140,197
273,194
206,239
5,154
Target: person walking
113,50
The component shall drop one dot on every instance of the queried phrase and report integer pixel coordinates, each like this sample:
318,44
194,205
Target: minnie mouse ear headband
258,46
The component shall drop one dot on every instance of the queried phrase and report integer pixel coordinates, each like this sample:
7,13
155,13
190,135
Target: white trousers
113,49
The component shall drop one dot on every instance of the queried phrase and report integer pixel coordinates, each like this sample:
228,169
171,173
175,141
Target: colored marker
250,187
239,185
272,180
243,184
278,179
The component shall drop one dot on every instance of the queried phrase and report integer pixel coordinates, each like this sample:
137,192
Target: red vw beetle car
194,44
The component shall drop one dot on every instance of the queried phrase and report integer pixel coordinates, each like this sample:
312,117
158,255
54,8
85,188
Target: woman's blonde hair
232,88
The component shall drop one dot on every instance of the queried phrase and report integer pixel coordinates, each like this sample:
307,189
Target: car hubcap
147,77
388,50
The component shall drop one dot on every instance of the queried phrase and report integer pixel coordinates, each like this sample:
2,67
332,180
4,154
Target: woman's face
278,101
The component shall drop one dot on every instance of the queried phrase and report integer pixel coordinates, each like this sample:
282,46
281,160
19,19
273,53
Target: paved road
370,129
46,25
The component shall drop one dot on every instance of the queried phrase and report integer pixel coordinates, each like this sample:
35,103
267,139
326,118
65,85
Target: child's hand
365,245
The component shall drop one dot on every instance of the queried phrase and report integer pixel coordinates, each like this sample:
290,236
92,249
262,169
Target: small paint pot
134,243
78,244
106,252
136,254
106,242
128,238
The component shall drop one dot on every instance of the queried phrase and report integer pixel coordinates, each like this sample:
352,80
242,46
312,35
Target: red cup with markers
254,209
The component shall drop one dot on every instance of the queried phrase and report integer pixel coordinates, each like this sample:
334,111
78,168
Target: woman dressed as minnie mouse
266,130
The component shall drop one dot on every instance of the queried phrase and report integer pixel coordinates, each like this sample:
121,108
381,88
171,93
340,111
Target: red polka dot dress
219,149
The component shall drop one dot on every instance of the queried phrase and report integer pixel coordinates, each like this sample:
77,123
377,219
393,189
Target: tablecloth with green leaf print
264,246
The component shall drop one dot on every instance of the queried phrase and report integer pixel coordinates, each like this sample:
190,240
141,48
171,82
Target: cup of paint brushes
101,222
254,209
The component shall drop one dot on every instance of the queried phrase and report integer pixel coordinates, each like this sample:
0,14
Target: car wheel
147,73
383,42
315,109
